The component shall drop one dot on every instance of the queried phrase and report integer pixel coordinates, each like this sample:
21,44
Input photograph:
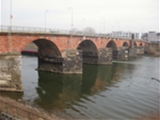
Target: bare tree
89,30
76,31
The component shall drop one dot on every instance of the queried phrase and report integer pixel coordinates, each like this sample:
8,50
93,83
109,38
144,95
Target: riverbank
149,117
153,49
22,111
17,109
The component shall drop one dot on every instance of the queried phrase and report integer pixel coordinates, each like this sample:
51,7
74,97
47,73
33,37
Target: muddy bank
23,111
153,49
149,117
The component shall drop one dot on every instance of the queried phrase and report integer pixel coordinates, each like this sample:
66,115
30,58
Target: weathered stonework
50,64
132,52
72,63
10,72
90,57
69,63
121,54
140,50
103,56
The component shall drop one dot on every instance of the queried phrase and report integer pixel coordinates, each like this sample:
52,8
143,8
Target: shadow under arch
135,44
125,44
47,48
140,44
49,56
89,51
55,91
111,44
87,45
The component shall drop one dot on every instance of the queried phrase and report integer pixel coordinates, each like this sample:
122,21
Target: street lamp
70,8
10,38
10,13
83,25
100,27
117,26
45,19
103,23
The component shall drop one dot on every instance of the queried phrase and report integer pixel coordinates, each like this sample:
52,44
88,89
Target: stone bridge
59,52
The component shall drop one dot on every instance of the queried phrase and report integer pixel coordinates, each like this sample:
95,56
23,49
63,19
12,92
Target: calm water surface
124,90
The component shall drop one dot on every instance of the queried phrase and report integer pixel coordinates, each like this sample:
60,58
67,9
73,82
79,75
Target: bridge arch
141,44
87,45
89,51
112,44
135,44
125,44
47,48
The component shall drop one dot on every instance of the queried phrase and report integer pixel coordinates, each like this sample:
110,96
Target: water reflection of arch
117,71
60,92
95,78
89,77
103,79
55,90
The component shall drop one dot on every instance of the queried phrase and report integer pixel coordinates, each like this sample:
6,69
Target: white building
152,36
158,37
126,35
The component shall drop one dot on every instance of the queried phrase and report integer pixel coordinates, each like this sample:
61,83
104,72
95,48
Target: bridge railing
35,30
31,30
17,29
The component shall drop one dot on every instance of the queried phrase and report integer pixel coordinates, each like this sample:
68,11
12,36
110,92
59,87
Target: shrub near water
153,50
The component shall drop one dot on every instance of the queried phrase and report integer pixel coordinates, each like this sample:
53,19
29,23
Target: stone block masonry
10,72
69,63
121,54
132,52
102,57
140,50
72,63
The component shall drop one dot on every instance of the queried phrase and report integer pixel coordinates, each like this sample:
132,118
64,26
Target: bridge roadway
59,51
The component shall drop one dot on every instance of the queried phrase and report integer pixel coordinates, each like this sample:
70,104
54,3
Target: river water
124,90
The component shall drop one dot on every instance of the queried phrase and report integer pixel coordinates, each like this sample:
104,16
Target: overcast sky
102,15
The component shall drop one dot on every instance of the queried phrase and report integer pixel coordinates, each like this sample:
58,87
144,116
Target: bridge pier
10,72
69,63
134,52
121,54
140,50
102,56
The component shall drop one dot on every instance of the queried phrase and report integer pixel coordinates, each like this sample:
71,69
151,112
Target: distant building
127,35
145,37
158,37
152,36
